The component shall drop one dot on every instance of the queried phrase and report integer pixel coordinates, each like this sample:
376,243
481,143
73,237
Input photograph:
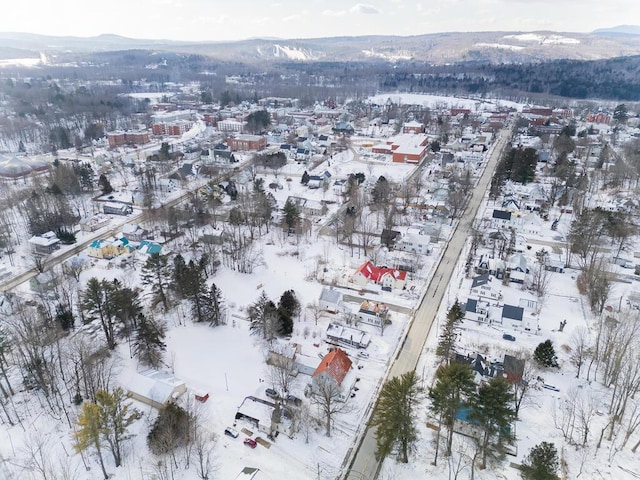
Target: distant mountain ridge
438,49
619,30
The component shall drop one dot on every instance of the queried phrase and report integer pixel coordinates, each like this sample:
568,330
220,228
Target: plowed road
364,465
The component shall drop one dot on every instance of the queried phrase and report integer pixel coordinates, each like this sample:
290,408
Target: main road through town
364,465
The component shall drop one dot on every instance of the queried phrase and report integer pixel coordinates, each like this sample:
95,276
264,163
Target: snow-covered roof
154,385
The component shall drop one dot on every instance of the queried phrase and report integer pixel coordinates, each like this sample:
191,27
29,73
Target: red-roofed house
386,277
334,369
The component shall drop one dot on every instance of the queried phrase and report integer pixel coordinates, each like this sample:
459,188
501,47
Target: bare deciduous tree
282,369
326,394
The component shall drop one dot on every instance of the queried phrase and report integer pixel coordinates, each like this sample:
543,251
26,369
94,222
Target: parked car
363,354
250,442
232,432
506,336
271,393
295,400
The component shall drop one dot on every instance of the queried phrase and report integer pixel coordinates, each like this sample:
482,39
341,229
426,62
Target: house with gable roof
501,218
155,388
483,286
335,368
387,278
44,244
108,248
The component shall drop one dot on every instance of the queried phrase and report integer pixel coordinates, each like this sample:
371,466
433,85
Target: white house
348,335
411,242
373,313
330,300
155,388
483,286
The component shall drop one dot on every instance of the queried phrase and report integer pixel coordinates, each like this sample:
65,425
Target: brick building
119,138
247,142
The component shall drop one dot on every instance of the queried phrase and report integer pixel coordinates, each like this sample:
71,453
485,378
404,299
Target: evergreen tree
491,409
89,432
620,113
305,178
105,185
95,302
179,271
291,215
215,306
115,417
170,430
449,335
148,345
125,306
541,463
545,354
194,288
395,417
453,388
156,273
288,307
263,316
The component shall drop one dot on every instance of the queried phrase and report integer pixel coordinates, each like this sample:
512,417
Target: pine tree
179,271
545,354
95,301
449,335
104,184
262,315
541,463
89,432
492,409
288,307
453,388
395,417
156,273
149,345
215,306
125,306
291,215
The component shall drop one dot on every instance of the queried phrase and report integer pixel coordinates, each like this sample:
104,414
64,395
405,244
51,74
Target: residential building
411,242
388,278
91,224
155,388
330,300
348,336
134,232
115,208
335,368
373,313
231,126
108,248
44,244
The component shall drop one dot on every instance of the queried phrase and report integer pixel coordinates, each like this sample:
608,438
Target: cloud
290,18
334,13
364,8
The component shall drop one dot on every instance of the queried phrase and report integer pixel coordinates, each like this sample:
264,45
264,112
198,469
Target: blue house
150,248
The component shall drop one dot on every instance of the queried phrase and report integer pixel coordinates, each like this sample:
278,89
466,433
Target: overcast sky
239,19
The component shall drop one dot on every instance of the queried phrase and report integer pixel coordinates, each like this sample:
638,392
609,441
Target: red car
251,442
